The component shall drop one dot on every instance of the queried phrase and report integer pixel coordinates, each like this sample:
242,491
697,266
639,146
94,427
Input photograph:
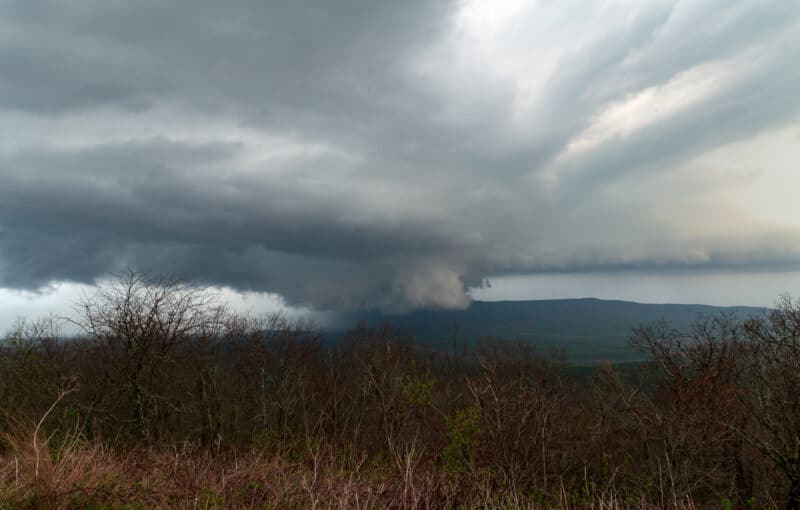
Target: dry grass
63,470
74,475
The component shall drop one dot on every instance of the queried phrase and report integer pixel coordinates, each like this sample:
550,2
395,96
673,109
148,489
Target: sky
342,155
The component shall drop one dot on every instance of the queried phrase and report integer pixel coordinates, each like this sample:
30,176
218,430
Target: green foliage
418,390
463,433
208,499
88,502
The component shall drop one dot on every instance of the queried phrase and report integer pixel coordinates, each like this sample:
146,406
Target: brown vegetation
167,400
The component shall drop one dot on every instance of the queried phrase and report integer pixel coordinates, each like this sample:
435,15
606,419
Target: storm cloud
394,154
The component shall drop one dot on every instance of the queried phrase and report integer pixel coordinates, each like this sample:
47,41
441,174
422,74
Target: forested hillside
587,331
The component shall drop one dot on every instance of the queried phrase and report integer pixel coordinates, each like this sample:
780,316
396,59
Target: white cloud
687,89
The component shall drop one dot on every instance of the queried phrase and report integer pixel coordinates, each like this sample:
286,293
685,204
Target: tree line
160,365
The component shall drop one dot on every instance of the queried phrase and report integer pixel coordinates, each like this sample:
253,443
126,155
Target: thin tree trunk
793,500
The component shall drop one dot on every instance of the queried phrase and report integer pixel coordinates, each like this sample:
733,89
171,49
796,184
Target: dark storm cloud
349,154
77,214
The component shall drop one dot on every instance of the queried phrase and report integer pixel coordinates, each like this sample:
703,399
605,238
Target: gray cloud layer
348,154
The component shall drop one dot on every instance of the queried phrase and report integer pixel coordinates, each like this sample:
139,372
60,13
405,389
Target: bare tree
773,378
698,402
139,323
742,375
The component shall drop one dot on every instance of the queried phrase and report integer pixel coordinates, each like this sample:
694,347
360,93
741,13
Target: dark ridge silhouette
590,330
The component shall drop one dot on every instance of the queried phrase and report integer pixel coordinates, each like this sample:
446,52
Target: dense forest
166,399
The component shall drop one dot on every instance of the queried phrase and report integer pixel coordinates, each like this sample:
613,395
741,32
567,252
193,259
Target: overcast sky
348,154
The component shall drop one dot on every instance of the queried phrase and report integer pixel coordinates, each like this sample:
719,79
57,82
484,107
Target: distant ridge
589,329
